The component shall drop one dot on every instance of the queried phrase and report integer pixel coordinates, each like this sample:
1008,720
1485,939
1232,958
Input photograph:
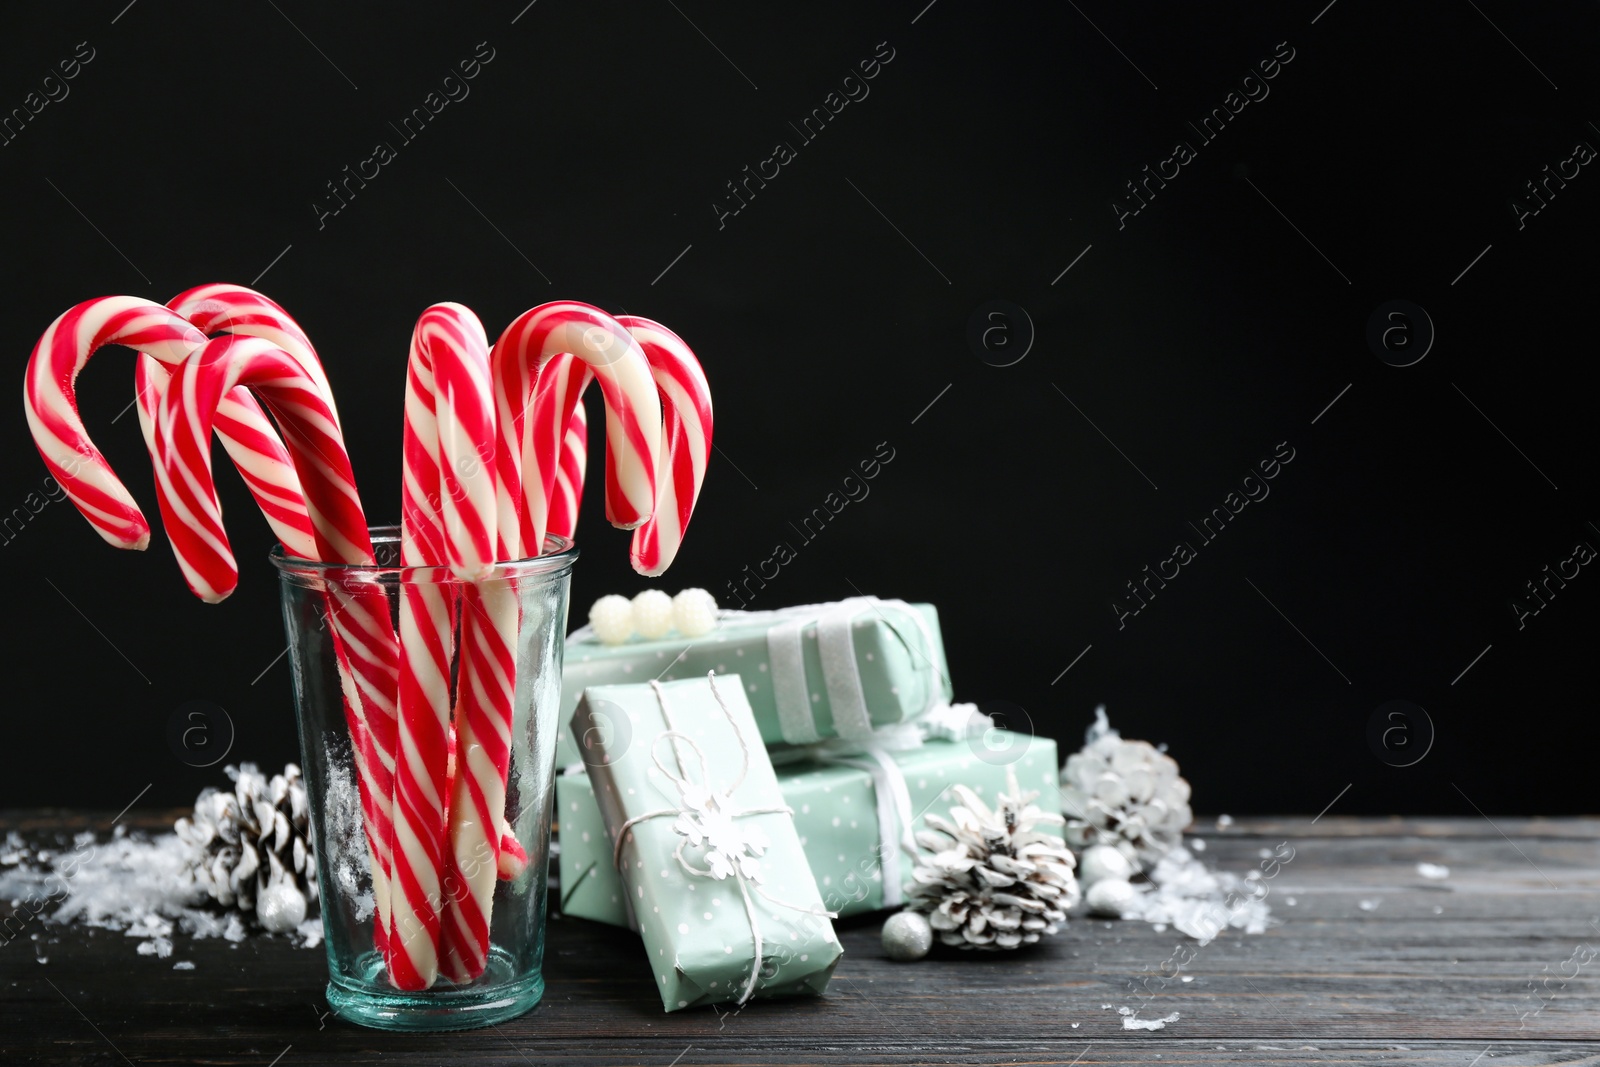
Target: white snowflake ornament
732,845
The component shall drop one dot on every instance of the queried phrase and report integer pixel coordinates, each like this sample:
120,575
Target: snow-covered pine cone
1125,794
992,880
251,839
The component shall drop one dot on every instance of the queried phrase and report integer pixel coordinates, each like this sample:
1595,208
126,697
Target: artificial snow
345,831
1182,893
132,883
1131,1020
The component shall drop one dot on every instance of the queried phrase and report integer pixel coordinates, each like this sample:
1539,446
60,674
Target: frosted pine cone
254,839
993,881
1124,794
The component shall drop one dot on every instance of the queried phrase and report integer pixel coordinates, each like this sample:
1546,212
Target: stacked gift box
762,777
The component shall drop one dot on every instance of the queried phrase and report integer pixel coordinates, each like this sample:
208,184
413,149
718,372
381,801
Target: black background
1218,322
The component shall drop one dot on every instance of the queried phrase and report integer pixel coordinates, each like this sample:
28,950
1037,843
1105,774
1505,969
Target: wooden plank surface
1370,963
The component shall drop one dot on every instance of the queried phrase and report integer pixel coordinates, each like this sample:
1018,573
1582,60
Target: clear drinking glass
358,984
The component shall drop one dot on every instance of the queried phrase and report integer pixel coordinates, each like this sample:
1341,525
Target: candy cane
253,445
310,432
633,412
450,505
449,513
485,705
242,428
50,401
557,399
183,434
567,497
427,630
222,307
685,442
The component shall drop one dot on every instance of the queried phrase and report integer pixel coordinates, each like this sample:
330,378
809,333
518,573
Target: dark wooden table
1372,963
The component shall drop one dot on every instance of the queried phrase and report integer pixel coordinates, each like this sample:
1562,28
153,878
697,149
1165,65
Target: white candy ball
694,612
1100,862
281,907
1109,897
612,619
652,614
907,936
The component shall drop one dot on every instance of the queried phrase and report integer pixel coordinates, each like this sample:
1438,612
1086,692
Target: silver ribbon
841,674
786,654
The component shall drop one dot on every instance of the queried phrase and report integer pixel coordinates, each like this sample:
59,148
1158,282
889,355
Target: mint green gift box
835,814
710,863
810,672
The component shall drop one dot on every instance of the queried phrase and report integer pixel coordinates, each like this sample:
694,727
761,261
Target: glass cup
324,605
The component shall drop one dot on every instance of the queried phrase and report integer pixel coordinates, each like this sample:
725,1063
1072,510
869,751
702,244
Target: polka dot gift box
844,812
704,843
808,673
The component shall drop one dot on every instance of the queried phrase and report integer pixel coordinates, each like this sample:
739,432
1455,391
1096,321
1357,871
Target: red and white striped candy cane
244,430
685,442
427,635
571,466
448,518
480,841
449,460
222,307
198,538
242,427
253,445
557,400
50,402
183,436
633,412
